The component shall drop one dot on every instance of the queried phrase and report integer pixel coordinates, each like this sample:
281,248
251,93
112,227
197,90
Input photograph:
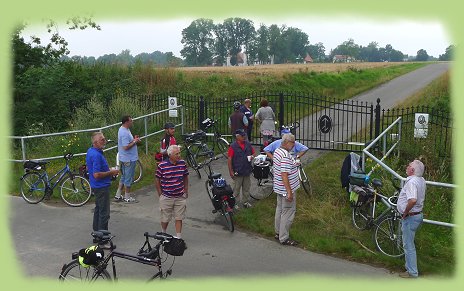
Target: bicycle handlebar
68,156
162,236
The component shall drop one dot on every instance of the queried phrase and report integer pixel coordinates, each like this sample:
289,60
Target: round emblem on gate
172,101
325,124
421,119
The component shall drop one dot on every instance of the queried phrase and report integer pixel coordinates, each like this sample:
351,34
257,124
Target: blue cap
284,131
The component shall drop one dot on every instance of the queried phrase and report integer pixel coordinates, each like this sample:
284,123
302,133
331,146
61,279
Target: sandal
290,242
276,236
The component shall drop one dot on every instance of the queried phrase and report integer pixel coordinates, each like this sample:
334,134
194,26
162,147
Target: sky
140,36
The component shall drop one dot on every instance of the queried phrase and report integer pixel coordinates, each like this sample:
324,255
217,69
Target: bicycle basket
261,170
91,256
33,166
174,247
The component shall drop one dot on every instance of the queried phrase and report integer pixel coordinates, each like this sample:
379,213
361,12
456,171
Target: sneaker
247,205
130,200
407,275
118,199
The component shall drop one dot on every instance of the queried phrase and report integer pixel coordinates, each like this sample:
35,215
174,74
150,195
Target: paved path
46,235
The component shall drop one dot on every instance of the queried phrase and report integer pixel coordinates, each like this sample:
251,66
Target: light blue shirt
124,138
299,147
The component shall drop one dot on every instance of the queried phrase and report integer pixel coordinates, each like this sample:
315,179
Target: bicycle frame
65,170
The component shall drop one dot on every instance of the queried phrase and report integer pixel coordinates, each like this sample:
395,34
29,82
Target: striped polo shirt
284,162
172,177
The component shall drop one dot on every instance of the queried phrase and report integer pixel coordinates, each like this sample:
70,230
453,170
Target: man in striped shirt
286,183
171,182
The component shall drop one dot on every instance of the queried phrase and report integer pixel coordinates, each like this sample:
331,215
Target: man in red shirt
240,156
168,139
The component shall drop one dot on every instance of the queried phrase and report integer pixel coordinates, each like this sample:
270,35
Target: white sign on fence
421,125
172,103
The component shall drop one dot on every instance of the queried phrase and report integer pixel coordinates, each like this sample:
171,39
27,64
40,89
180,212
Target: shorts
172,206
127,173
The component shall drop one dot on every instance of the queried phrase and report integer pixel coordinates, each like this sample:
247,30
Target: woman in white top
265,115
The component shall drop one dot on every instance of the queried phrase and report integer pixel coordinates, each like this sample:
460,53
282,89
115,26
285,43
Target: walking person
265,115
239,159
100,179
410,204
171,183
128,156
246,109
168,139
237,119
286,183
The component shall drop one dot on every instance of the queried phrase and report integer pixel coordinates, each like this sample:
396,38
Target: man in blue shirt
100,179
297,151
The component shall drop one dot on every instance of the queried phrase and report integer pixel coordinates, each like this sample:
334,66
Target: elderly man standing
286,183
410,204
171,182
100,180
240,155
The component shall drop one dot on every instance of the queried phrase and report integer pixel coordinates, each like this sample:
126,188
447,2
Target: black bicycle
219,142
220,194
196,150
78,270
36,185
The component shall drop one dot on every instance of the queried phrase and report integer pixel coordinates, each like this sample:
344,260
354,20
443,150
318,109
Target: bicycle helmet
285,130
237,105
219,183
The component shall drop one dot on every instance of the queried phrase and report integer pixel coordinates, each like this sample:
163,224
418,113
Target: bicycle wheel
388,237
208,190
223,146
228,215
32,188
361,215
201,153
192,163
305,182
75,272
138,172
75,191
264,189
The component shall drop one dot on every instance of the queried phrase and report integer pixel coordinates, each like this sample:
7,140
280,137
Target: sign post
172,103
421,125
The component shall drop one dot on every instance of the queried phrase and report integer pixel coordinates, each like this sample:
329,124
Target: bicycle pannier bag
261,170
91,256
359,196
175,246
359,178
219,192
32,166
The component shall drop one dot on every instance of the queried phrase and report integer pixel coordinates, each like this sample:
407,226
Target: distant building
308,59
342,59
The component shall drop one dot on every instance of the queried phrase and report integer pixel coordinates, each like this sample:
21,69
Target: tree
238,33
262,44
448,55
348,48
317,52
295,43
276,46
422,55
198,42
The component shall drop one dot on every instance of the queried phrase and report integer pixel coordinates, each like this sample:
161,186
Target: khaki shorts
170,207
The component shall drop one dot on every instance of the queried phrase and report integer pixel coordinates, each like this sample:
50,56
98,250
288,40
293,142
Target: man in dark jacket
240,156
237,119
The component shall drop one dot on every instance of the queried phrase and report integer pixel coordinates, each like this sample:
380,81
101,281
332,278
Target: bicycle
75,271
387,225
221,200
196,150
36,184
221,143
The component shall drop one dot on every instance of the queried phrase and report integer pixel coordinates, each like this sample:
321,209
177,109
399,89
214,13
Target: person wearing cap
237,119
168,139
246,109
297,151
128,157
240,155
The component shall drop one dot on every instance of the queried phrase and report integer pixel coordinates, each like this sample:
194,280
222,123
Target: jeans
127,173
101,215
409,226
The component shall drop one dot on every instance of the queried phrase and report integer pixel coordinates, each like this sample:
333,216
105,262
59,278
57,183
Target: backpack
174,247
91,256
360,195
351,164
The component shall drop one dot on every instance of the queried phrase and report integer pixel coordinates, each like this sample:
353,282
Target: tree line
206,43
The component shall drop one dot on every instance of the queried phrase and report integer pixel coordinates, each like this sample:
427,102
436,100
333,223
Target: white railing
145,136
386,152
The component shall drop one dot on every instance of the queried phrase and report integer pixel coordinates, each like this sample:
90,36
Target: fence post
201,113
281,111
377,118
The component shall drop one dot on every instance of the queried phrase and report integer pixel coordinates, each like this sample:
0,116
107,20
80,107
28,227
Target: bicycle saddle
215,176
377,183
